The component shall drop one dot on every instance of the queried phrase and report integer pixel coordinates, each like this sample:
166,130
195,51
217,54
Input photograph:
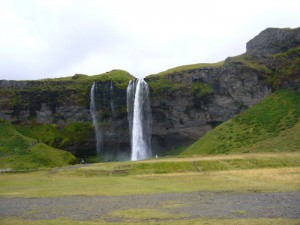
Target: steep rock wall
56,111
203,98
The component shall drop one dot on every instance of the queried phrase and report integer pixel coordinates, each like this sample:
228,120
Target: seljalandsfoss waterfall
139,118
95,114
106,123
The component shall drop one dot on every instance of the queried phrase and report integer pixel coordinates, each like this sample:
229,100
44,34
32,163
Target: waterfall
130,101
95,114
139,118
112,104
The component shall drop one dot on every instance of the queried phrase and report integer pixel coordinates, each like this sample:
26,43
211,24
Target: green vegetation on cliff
64,90
287,66
190,67
79,85
161,84
250,62
20,152
61,137
201,89
276,69
167,83
119,77
271,125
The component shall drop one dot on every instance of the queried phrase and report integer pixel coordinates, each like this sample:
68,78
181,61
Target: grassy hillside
271,125
19,152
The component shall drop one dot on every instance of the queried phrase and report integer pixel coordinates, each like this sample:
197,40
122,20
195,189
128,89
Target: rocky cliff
273,41
56,111
186,101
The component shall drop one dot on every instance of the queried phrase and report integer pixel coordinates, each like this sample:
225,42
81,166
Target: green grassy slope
23,153
271,125
60,137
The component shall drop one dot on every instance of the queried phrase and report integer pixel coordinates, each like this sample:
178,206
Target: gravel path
193,205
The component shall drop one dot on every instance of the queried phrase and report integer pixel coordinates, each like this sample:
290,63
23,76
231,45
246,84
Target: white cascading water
96,124
130,101
139,118
112,104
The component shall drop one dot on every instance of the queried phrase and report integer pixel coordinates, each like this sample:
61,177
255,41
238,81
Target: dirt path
191,205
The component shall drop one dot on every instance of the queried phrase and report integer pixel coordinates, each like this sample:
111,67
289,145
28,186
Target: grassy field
258,172
43,184
64,221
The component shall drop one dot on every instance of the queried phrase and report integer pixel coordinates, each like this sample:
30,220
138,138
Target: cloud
41,38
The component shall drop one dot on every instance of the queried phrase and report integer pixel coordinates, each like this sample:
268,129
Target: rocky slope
186,101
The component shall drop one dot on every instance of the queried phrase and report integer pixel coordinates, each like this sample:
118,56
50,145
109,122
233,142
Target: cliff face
186,102
202,96
45,101
56,111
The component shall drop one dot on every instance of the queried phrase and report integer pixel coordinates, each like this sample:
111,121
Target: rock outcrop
272,41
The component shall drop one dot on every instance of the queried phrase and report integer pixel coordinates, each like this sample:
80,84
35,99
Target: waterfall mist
139,118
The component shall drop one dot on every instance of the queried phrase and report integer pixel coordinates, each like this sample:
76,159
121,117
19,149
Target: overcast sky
57,38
